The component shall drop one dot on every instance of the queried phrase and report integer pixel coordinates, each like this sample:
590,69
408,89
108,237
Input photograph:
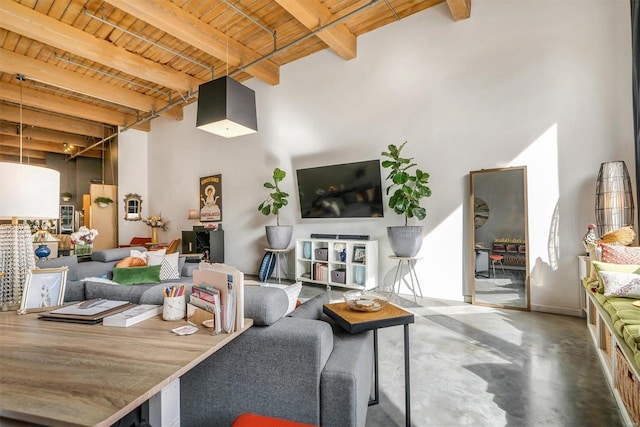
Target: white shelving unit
318,261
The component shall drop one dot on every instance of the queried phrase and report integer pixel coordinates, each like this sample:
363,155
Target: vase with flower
156,222
82,240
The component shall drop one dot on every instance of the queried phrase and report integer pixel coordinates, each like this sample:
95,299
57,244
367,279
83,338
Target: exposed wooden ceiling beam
33,69
51,147
31,153
68,107
10,113
16,159
174,20
37,26
460,9
45,135
310,13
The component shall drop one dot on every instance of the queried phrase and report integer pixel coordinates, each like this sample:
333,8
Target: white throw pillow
168,264
292,293
621,284
144,254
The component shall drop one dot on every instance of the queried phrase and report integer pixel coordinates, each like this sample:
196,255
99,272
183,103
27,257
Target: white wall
133,177
541,83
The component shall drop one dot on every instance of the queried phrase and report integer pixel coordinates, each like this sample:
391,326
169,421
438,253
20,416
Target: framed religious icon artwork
43,289
211,198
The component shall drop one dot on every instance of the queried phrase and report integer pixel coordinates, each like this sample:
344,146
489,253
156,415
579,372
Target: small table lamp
193,215
27,192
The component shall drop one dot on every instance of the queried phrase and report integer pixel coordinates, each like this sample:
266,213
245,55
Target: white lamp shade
29,192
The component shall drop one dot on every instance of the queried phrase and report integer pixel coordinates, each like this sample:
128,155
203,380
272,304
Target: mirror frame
472,252
129,216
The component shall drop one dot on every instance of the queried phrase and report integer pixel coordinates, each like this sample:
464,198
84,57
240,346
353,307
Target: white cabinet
345,263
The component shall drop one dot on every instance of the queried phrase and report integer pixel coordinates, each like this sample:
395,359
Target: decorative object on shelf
623,236
226,108
132,207
306,250
278,236
590,237
360,275
614,198
156,222
80,249
82,240
343,255
408,189
66,196
42,251
103,202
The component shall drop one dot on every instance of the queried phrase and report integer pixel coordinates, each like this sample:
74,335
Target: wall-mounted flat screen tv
351,190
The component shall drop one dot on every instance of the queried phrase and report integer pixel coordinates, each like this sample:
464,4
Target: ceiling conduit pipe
257,61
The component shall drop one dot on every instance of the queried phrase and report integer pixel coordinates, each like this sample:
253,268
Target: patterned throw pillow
169,269
617,254
621,284
615,268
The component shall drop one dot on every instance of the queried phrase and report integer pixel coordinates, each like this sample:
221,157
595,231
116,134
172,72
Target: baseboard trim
557,310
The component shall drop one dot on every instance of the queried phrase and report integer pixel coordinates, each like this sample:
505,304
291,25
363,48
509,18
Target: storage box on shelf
345,263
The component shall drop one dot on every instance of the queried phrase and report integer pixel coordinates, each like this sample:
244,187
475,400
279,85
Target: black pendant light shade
226,108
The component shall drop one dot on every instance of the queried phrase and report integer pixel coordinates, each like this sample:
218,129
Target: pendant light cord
20,78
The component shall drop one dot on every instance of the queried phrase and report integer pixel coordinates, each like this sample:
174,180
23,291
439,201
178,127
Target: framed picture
211,198
359,254
44,288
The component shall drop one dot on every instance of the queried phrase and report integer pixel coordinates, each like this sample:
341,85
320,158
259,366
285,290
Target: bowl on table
362,300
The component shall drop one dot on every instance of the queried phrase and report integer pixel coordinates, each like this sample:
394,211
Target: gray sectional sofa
88,280
300,367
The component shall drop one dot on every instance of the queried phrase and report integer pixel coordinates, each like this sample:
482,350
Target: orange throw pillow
131,262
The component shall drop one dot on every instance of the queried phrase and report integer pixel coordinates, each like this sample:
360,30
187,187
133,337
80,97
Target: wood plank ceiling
93,66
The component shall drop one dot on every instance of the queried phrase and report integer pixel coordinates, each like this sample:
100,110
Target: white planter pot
279,236
405,241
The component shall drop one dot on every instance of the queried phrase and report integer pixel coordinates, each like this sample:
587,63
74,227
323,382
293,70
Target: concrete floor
479,366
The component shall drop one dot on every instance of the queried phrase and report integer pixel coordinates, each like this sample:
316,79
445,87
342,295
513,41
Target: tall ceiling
93,66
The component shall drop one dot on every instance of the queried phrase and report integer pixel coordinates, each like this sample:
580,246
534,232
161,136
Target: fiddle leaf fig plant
277,198
408,186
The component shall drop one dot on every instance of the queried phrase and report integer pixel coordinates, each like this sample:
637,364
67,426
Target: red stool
254,420
496,259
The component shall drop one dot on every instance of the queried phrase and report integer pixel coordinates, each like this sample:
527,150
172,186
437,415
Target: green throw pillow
136,275
616,268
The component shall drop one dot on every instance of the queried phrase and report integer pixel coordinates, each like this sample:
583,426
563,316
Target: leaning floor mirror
499,238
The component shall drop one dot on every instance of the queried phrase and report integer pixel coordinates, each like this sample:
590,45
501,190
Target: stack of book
321,272
207,298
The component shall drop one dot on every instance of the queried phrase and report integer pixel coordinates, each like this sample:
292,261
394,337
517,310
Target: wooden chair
172,247
137,241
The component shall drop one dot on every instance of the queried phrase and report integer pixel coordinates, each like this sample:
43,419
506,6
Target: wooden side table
359,321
